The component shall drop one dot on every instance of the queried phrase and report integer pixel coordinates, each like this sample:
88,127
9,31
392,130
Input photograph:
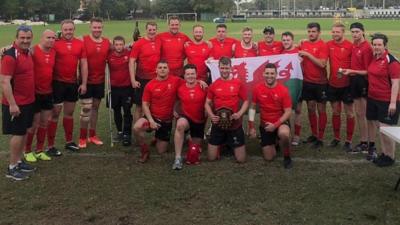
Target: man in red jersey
159,97
97,49
269,46
221,44
191,117
383,103
143,61
172,46
289,48
275,109
197,52
70,52
227,92
361,57
121,90
338,87
246,47
18,89
43,56
315,54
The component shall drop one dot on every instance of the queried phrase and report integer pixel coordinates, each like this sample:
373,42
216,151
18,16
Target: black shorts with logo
18,125
358,86
340,94
232,138
64,92
139,91
93,91
378,110
314,92
43,102
270,138
196,130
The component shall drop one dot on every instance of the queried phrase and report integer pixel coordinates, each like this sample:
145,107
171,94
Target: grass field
107,186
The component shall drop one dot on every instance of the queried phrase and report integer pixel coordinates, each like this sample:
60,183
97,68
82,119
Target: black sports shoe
378,158
16,174
362,147
347,147
72,147
53,152
311,139
371,156
118,137
334,143
287,162
384,161
126,140
318,144
25,167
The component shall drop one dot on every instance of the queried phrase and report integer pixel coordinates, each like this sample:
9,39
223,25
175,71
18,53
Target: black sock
371,144
364,143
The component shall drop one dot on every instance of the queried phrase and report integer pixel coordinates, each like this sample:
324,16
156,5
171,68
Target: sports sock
92,132
68,124
286,152
51,133
312,117
336,126
40,138
29,140
297,129
350,128
83,133
322,124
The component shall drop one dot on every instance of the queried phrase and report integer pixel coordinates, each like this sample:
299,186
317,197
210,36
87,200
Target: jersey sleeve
254,96
394,70
8,65
83,52
210,93
367,57
135,51
243,92
324,51
287,100
147,94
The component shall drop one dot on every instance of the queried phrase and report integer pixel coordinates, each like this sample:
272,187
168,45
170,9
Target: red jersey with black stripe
147,54
192,101
361,56
18,64
380,72
96,53
172,50
197,54
68,55
118,64
161,95
222,48
241,52
265,49
311,72
339,57
44,63
272,101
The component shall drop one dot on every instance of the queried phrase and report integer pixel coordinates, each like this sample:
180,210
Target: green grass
106,185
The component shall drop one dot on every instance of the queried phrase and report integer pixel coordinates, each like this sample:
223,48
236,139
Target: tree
11,9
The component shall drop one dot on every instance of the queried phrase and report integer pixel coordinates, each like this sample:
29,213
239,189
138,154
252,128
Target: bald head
47,40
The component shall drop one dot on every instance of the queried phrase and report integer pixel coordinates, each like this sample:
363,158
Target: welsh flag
250,70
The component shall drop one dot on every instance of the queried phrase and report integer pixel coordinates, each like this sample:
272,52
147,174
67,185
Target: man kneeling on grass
275,109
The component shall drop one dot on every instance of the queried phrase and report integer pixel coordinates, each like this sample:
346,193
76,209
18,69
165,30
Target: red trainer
82,143
145,153
193,154
95,140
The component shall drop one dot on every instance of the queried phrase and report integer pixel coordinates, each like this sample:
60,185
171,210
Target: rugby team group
166,77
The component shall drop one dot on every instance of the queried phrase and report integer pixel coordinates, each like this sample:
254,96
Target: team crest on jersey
231,88
47,60
179,39
169,86
314,50
264,96
69,46
191,95
126,57
218,89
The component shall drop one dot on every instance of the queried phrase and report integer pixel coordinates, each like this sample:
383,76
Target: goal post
182,16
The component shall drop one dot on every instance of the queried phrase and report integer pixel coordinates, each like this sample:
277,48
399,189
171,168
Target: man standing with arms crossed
43,56
70,52
338,89
97,49
315,55
18,89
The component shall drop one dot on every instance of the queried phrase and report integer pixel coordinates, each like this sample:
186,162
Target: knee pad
86,107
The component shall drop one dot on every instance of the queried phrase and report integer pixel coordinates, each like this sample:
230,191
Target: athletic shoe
311,139
334,143
118,137
72,147
126,140
177,164
82,143
287,162
371,156
43,156
25,167
95,140
362,147
295,140
384,161
318,144
347,147
53,152
30,157
16,174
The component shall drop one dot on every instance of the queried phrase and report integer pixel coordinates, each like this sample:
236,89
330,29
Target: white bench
393,133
